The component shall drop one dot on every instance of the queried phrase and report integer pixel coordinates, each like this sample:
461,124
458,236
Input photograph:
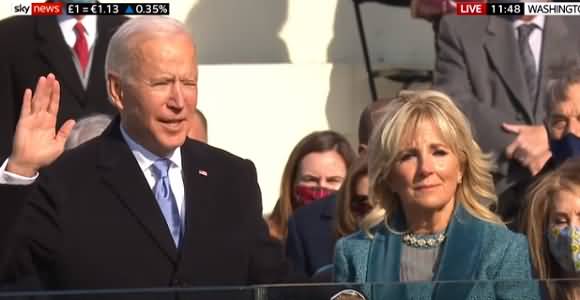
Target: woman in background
313,230
353,199
315,170
552,224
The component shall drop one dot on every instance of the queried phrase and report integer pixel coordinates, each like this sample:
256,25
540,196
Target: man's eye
189,83
559,124
160,82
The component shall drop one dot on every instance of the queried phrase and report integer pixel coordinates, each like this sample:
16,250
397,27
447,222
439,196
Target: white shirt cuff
14,179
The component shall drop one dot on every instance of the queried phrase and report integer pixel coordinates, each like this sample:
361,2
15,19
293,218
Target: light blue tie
166,199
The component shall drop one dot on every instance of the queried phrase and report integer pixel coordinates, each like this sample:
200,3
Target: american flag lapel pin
202,172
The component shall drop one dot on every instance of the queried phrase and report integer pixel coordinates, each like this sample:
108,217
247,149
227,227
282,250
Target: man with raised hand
152,208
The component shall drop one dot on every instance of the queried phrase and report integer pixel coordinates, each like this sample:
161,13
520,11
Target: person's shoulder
16,22
461,22
80,156
17,29
357,240
355,247
572,22
471,27
498,238
73,165
504,254
213,155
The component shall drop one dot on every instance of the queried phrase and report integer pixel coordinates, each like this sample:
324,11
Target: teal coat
474,250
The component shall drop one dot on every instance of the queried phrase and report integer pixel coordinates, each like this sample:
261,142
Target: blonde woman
431,185
552,225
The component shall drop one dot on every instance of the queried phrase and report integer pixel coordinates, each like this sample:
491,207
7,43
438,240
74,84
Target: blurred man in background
71,47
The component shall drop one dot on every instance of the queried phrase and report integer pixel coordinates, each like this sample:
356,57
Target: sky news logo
38,9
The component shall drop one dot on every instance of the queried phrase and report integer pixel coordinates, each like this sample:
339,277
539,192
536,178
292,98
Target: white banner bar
552,8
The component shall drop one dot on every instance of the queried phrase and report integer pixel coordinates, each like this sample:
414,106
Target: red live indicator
471,8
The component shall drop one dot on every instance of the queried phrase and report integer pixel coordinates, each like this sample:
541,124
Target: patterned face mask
308,194
565,247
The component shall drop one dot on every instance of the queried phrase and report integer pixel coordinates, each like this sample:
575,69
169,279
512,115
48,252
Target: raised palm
37,143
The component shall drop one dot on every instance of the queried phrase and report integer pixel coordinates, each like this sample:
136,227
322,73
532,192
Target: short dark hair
560,77
369,118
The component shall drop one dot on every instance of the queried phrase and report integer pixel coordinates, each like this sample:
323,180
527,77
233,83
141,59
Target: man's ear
115,91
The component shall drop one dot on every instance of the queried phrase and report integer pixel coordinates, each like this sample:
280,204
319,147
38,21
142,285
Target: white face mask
564,245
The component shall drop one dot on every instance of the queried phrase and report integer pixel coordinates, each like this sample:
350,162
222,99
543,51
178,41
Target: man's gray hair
87,128
121,51
560,77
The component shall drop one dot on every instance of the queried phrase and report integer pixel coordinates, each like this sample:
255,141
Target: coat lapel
461,255
55,52
385,256
121,173
197,183
508,64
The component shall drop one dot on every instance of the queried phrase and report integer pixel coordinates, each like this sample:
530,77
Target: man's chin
169,143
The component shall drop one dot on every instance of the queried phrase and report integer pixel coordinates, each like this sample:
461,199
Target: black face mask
360,205
565,148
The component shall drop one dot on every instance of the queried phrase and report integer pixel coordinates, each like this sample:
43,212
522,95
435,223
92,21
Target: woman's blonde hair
403,117
537,213
346,222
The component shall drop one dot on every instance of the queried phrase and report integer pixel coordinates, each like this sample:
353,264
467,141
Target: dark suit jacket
91,221
479,66
311,235
34,47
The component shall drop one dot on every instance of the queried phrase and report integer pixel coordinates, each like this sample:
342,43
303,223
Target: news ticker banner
74,9
518,8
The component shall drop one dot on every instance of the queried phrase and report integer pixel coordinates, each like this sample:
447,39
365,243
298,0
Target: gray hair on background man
561,77
87,128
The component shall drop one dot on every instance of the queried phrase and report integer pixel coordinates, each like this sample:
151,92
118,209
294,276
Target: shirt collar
538,20
146,158
67,24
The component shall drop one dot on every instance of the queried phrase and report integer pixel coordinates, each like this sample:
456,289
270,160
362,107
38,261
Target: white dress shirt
11,178
67,24
535,39
145,159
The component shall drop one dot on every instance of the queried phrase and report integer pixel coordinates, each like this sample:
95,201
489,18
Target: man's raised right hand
36,141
